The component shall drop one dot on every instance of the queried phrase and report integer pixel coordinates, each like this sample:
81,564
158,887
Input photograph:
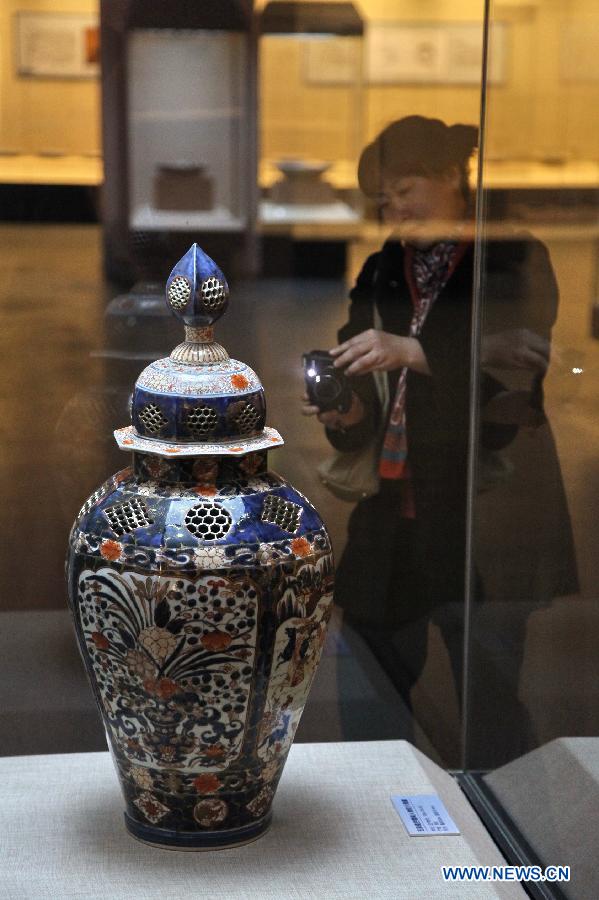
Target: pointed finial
196,290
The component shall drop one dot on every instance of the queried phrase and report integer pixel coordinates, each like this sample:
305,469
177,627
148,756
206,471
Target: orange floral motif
164,688
239,381
206,784
172,449
168,752
151,809
101,642
127,441
300,546
236,449
215,752
216,641
206,490
274,440
110,550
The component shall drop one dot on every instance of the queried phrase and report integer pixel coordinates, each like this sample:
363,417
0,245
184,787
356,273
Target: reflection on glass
524,551
410,321
532,711
534,529
187,141
311,120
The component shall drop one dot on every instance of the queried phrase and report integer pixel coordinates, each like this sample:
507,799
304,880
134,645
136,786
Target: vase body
200,586
200,591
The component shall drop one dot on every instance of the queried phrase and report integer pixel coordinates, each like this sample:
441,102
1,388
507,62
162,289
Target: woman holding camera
405,555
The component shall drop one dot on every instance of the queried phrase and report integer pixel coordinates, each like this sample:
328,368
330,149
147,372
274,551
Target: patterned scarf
427,272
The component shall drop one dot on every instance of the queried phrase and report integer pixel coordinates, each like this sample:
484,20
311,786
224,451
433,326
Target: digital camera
327,387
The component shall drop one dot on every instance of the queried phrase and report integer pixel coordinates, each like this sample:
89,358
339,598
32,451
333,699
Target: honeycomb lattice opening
214,294
244,417
284,513
126,517
179,292
201,421
152,418
208,521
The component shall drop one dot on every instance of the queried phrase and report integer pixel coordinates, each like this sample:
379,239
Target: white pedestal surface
335,835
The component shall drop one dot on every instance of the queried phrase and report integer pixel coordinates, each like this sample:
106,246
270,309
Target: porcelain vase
200,585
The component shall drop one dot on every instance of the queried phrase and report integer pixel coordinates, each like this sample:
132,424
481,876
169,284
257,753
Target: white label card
424,814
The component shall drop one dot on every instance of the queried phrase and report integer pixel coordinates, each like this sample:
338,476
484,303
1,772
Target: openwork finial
197,292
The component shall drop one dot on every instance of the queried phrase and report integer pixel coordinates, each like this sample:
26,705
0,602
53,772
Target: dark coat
519,291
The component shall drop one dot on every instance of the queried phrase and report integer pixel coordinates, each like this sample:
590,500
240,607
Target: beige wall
451,103
45,114
302,119
321,121
535,113
538,113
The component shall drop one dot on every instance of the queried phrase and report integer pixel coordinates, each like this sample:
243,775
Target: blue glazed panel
175,409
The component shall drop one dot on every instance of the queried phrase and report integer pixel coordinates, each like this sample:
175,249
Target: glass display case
188,144
182,87
311,121
530,714
489,671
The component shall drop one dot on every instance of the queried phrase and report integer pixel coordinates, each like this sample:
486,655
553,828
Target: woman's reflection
404,562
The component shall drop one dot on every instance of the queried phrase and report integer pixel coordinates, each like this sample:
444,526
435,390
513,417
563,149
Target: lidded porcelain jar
200,585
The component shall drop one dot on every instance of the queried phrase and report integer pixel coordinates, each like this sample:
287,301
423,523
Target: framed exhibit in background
579,60
333,61
57,45
432,53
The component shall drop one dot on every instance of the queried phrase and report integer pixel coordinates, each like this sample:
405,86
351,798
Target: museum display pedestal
335,834
551,796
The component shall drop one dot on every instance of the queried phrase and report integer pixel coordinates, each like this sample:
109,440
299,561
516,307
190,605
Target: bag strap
381,380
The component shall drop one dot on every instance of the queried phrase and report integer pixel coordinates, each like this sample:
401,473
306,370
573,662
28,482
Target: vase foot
167,839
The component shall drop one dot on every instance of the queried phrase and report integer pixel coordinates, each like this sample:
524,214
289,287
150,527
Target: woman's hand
379,351
517,348
334,419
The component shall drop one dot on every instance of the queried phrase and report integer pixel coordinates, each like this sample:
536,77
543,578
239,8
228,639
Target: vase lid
198,401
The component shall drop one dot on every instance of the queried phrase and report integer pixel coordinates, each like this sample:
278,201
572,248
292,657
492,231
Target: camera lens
327,388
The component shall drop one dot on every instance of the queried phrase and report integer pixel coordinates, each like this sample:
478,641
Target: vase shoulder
255,519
